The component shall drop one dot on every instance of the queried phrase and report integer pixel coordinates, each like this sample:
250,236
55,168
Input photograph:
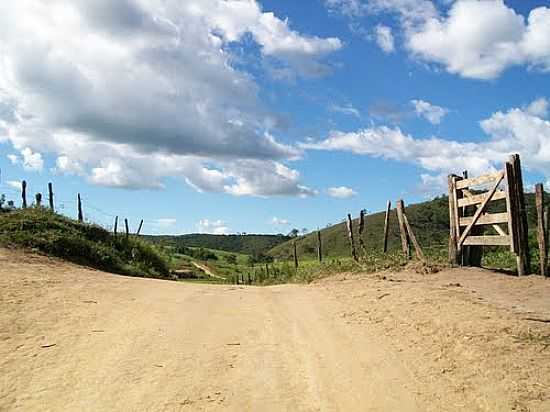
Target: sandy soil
75,339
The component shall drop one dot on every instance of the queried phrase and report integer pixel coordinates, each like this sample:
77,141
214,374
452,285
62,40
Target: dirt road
207,270
73,339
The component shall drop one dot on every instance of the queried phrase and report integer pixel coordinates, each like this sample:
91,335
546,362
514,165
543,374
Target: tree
294,233
231,259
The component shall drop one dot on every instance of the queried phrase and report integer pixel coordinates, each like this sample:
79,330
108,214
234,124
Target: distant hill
245,244
429,220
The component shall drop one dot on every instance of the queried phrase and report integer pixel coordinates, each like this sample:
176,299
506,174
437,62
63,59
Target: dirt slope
77,339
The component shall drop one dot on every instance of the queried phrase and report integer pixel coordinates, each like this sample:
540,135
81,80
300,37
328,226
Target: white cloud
154,93
279,222
31,161
514,131
348,110
432,113
341,192
476,39
481,39
16,184
538,108
215,227
14,159
384,38
166,222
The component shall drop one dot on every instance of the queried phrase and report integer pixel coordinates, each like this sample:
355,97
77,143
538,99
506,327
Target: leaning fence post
50,196
139,228
417,248
80,215
524,260
402,229
541,233
24,193
386,226
350,236
127,229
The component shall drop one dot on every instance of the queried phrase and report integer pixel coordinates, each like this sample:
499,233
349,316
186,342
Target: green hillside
245,244
429,220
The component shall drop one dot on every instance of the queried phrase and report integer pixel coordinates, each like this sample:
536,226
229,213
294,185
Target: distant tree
231,259
294,233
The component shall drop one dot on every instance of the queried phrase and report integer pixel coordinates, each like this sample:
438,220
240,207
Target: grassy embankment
53,234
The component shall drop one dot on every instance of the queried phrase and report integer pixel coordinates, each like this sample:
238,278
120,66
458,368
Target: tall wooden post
127,229
139,228
24,193
523,258
295,256
319,246
417,248
50,196
116,225
403,229
38,198
80,214
454,256
350,236
361,231
387,226
541,232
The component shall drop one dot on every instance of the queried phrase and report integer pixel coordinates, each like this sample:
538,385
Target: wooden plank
453,254
350,236
319,246
499,230
480,210
477,199
476,181
487,240
541,230
402,229
511,206
417,248
386,226
524,259
486,219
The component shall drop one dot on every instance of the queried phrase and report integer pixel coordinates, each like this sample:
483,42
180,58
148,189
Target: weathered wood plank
475,181
480,210
453,235
524,258
402,229
477,199
541,230
486,219
351,239
417,248
386,226
487,241
499,230
511,207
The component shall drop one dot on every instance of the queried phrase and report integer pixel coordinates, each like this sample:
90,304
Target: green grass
91,245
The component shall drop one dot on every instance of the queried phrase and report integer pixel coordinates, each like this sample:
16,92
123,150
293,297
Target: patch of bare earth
73,338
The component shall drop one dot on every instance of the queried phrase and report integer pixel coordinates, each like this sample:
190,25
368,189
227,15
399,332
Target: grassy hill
90,245
430,223
244,244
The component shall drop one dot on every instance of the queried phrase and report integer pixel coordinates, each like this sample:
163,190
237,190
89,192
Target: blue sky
258,116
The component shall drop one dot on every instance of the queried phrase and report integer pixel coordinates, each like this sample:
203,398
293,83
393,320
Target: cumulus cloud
166,222
215,227
155,87
476,39
31,161
15,184
514,131
341,192
431,112
384,38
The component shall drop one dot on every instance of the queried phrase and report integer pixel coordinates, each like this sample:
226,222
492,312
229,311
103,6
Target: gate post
454,258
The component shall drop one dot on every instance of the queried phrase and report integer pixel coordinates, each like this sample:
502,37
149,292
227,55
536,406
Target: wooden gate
468,211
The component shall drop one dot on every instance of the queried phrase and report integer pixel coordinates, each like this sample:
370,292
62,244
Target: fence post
127,229
116,225
523,258
139,228
403,230
454,258
319,246
361,230
541,232
50,196
80,215
24,193
295,256
38,198
386,226
350,236
417,248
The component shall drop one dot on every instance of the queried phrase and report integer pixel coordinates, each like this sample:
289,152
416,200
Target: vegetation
245,244
91,245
